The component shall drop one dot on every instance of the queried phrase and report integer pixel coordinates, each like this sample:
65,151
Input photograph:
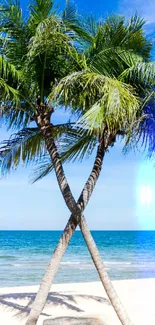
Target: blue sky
124,197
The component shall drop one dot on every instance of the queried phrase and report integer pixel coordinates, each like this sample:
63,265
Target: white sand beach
138,297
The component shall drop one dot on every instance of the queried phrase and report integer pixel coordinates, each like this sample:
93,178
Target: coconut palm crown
100,70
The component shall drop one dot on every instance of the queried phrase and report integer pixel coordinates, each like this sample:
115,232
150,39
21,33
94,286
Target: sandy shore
138,297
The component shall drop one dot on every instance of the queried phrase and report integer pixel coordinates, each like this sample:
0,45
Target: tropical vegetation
102,73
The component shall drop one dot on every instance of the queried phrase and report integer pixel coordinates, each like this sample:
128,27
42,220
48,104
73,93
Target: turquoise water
25,254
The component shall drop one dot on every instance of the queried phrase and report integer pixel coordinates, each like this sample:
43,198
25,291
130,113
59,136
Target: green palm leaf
104,100
39,11
9,93
127,35
142,72
76,144
8,70
28,145
13,31
25,146
69,15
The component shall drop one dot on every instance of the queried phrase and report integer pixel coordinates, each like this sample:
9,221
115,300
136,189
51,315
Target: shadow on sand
22,302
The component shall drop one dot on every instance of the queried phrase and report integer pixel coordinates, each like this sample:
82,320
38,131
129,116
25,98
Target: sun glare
146,195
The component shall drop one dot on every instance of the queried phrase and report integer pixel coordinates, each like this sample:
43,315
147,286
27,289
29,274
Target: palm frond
13,32
8,70
39,11
46,32
69,14
143,138
140,72
9,93
137,38
11,17
87,33
129,57
75,144
71,23
78,145
51,54
25,146
135,23
147,127
114,61
102,62
116,109
44,168
15,119
116,32
28,145
15,109
91,25
102,99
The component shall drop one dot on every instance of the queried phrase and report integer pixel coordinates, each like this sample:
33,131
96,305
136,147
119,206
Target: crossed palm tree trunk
76,218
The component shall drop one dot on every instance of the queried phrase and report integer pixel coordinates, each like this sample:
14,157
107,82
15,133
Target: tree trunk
41,297
51,272
47,131
101,269
76,210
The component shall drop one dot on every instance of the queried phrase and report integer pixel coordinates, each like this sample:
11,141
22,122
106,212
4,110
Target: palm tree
102,119
25,88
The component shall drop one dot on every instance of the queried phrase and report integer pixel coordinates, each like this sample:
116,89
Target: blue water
25,254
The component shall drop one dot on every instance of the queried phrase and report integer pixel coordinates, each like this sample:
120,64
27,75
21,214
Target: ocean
24,256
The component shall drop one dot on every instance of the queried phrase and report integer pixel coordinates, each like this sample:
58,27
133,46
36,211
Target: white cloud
145,8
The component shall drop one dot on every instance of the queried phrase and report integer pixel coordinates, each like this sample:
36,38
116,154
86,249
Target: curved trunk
51,272
92,179
46,129
101,269
76,210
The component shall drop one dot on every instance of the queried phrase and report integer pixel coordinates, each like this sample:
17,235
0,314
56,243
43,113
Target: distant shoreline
77,230
58,284
72,285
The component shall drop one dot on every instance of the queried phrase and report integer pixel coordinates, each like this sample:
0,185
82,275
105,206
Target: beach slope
78,298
